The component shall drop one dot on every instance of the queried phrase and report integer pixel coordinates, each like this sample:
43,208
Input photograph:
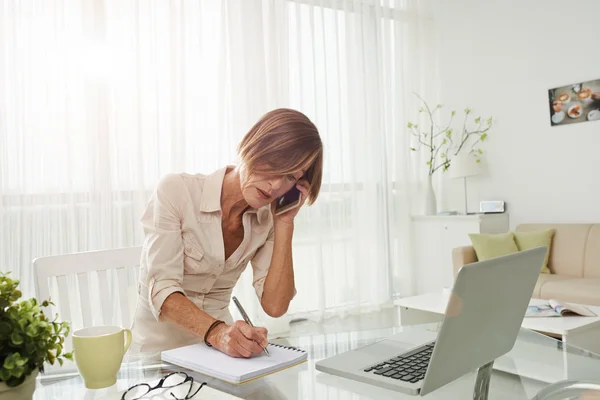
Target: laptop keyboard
407,367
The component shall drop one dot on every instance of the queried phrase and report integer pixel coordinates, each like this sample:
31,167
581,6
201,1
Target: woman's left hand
288,217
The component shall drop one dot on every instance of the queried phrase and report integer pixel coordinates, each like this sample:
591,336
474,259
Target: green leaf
453,113
478,160
20,361
489,121
467,110
13,314
31,331
68,356
16,339
50,357
26,305
439,106
409,125
428,163
449,133
16,295
18,372
477,120
413,149
9,362
60,361
480,151
421,110
4,374
483,137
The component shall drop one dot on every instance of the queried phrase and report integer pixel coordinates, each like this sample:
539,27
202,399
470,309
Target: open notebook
211,362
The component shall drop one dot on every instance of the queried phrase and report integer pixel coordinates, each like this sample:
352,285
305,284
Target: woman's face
261,189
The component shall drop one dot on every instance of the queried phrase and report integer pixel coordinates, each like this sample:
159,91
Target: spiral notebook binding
287,347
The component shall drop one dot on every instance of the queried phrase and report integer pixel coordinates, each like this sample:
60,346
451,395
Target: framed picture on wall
578,102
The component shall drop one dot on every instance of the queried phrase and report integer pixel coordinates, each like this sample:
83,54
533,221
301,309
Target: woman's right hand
239,339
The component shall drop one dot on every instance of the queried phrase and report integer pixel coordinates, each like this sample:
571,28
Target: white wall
500,57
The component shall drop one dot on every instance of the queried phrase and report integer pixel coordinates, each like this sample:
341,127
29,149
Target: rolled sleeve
261,263
163,242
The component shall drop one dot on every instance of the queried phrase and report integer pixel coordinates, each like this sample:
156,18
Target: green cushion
493,245
530,240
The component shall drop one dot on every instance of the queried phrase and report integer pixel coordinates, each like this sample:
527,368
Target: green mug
99,351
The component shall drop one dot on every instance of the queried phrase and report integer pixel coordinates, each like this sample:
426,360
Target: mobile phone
288,201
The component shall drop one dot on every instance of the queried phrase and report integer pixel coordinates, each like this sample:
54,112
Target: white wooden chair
94,288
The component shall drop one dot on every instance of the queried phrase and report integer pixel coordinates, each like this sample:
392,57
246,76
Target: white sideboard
435,236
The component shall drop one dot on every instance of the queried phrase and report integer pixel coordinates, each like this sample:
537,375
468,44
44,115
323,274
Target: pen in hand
247,319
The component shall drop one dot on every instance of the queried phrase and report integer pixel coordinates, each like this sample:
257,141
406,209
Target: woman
201,231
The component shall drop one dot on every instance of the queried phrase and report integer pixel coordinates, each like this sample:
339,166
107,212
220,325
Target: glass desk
535,362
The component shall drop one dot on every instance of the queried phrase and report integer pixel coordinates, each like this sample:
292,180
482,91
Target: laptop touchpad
385,349
414,337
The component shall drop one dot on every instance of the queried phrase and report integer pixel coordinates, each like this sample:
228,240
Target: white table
579,332
304,382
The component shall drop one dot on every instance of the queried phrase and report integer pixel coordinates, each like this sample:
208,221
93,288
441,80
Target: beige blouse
183,252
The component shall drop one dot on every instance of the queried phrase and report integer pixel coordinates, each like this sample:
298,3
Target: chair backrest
94,287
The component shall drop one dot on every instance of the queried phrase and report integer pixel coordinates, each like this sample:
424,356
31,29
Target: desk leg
411,316
482,382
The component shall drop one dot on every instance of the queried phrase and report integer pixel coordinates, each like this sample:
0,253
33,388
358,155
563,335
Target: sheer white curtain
99,99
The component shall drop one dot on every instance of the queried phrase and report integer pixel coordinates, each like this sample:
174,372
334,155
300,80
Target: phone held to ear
288,201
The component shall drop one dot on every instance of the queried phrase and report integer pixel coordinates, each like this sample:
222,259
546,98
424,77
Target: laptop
482,320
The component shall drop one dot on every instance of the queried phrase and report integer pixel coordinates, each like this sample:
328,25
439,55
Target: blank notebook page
209,361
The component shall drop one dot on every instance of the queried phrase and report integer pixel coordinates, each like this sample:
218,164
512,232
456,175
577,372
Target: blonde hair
285,141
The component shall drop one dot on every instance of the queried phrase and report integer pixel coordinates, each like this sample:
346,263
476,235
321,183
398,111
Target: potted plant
27,340
442,143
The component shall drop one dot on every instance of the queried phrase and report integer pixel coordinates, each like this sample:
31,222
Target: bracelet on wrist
210,328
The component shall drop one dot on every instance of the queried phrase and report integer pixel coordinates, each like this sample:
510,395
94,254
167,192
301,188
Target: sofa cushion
543,279
493,245
569,245
575,290
591,266
533,239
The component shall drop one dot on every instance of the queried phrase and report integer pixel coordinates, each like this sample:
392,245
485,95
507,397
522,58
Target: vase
430,201
22,392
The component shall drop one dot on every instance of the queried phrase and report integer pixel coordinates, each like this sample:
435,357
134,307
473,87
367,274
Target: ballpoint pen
247,319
